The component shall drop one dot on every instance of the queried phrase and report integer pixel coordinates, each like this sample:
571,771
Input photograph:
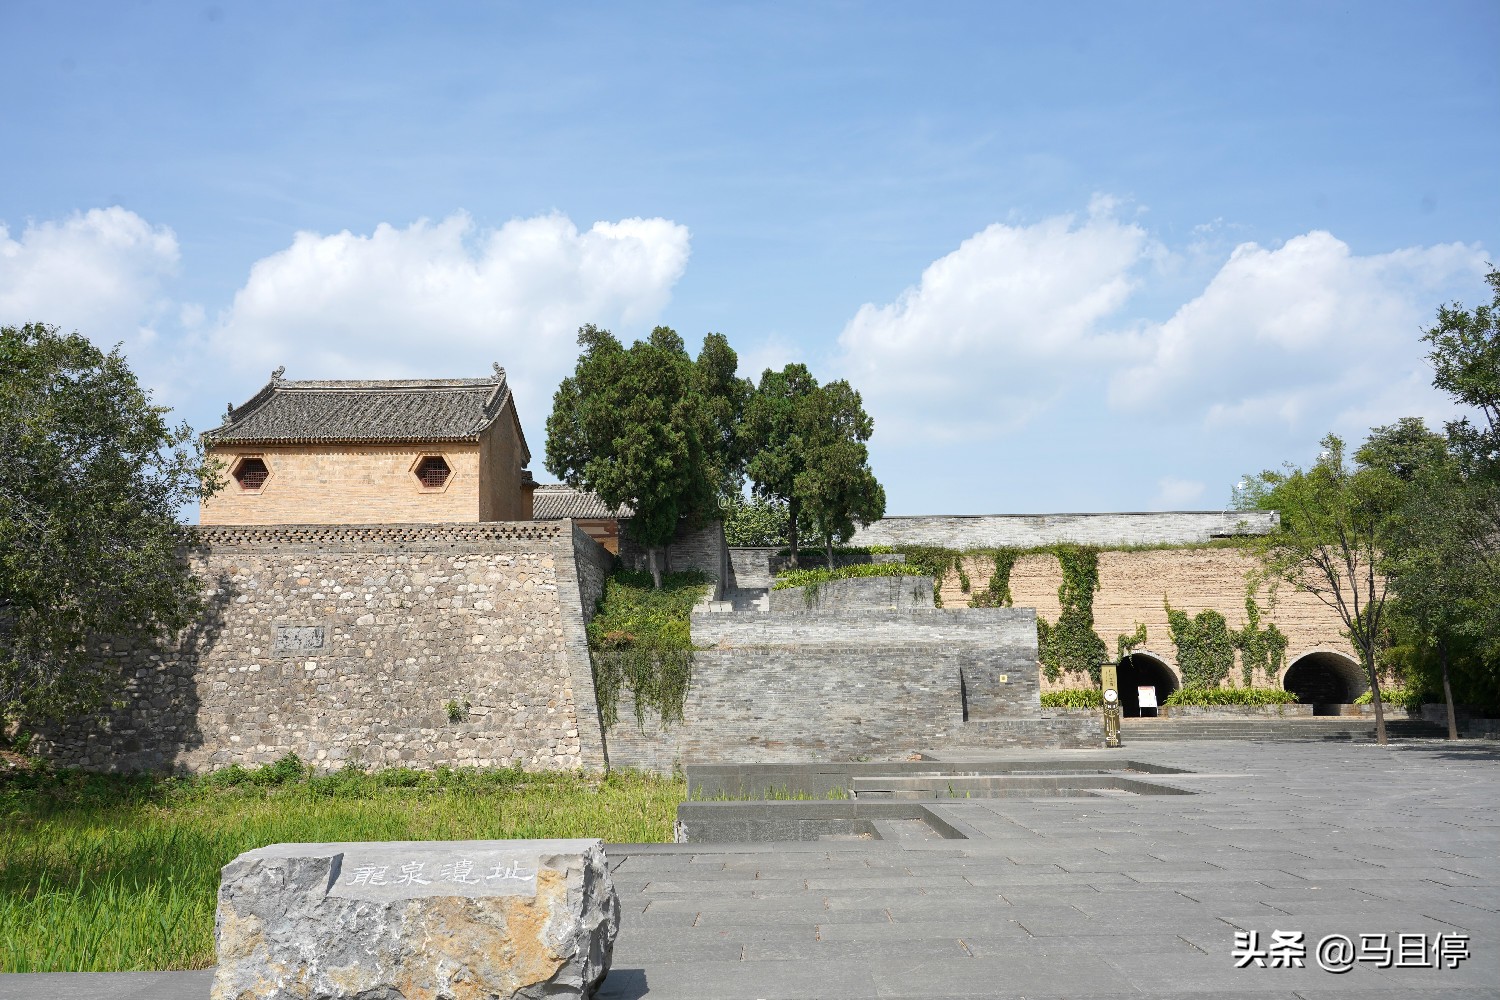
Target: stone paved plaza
1108,896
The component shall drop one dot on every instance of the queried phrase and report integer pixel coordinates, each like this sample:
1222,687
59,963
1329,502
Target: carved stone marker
298,638
426,920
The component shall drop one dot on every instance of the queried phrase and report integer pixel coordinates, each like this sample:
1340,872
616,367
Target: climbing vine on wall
1262,649
1205,650
1072,644
1206,645
640,638
997,594
1128,642
935,561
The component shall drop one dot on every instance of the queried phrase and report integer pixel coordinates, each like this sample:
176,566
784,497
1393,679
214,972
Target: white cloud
98,272
995,331
1022,321
448,298
773,351
1305,335
1177,494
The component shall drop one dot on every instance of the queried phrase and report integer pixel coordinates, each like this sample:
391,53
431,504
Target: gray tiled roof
365,411
553,501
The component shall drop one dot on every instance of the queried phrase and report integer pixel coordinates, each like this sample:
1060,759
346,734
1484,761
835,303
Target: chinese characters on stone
460,872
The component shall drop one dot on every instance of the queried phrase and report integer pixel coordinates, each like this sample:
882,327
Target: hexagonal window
433,472
251,473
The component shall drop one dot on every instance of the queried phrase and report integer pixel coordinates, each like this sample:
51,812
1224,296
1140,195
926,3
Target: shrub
813,577
641,638
1205,697
1408,698
1073,698
286,770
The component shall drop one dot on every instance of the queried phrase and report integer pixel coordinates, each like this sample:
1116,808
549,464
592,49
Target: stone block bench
467,920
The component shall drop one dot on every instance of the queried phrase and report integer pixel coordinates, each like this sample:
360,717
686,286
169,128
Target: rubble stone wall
457,644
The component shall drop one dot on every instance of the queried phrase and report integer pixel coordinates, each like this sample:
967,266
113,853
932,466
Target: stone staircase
1351,728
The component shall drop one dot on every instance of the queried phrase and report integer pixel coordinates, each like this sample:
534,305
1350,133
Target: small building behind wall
405,451
598,520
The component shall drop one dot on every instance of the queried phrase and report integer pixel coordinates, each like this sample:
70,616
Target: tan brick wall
501,460
1131,588
348,484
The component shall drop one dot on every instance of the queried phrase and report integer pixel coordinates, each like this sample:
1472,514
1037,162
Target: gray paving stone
1012,975
773,918
107,985
912,949
914,930
1077,898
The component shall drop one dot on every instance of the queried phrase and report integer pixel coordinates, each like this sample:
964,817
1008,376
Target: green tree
805,448
1443,550
1334,529
90,546
1465,358
836,485
776,436
758,521
649,427
1423,553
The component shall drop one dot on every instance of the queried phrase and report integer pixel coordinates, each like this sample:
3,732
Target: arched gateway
1325,679
1139,669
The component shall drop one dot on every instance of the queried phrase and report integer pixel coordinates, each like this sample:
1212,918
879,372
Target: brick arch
1144,667
1324,677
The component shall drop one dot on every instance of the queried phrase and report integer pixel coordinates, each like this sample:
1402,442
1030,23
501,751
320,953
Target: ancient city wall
1132,585
839,685
1024,531
870,592
347,644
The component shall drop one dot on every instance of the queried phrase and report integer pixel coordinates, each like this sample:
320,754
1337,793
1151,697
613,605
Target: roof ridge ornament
499,370
229,414
278,373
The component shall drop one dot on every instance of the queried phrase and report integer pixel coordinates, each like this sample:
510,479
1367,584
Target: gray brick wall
702,549
755,568
846,684
594,563
875,592
1031,530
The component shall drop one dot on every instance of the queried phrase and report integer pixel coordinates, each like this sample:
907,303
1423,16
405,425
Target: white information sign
1148,695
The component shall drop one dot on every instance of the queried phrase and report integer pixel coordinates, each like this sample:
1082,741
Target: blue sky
1076,256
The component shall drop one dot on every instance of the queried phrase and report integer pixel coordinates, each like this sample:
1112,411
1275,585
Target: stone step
1347,728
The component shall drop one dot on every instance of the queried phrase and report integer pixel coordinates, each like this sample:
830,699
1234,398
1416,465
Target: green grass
114,873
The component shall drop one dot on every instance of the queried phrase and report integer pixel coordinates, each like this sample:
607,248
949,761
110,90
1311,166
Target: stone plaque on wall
298,638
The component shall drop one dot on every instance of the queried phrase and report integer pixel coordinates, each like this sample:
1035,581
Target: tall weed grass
108,873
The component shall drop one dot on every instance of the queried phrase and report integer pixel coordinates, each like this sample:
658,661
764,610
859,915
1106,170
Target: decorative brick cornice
367,536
